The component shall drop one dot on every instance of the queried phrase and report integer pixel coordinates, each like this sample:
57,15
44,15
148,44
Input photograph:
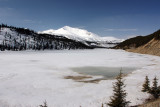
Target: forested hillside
17,39
149,44
138,41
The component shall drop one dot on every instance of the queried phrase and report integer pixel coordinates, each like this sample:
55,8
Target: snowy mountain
13,38
82,35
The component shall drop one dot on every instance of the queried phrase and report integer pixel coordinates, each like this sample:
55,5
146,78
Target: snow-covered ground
30,77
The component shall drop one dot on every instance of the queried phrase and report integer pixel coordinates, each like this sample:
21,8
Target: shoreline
141,52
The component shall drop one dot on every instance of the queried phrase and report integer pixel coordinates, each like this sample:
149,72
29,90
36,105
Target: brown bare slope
149,44
152,47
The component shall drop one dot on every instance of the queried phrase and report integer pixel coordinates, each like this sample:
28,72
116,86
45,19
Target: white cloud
123,30
9,8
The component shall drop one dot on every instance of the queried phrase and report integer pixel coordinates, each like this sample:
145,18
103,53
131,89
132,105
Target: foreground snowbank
29,78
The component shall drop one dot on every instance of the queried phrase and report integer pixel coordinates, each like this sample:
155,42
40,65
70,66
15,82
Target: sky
118,18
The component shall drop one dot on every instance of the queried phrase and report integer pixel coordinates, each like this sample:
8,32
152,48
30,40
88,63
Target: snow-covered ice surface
30,77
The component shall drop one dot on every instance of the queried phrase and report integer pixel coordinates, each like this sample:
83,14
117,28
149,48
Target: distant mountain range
149,44
14,38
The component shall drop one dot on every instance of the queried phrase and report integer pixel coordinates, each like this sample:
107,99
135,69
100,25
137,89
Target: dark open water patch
106,72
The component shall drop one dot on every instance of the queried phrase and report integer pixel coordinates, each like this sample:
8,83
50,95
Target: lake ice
105,72
28,78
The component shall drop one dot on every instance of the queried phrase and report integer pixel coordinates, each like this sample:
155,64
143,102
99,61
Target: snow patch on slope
8,36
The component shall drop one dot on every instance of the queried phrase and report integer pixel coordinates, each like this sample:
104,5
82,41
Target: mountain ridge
80,35
16,39
149,44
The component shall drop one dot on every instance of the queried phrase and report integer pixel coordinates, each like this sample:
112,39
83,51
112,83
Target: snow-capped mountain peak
73,33
83,36
79,34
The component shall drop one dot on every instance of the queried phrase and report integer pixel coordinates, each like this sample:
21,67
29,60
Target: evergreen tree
119,96
45,104
146,85
102,105
155,91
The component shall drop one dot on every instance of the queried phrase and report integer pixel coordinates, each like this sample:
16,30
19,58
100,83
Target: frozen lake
105,72
30,77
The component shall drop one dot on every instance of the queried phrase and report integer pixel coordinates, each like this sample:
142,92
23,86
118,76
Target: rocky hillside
149,44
